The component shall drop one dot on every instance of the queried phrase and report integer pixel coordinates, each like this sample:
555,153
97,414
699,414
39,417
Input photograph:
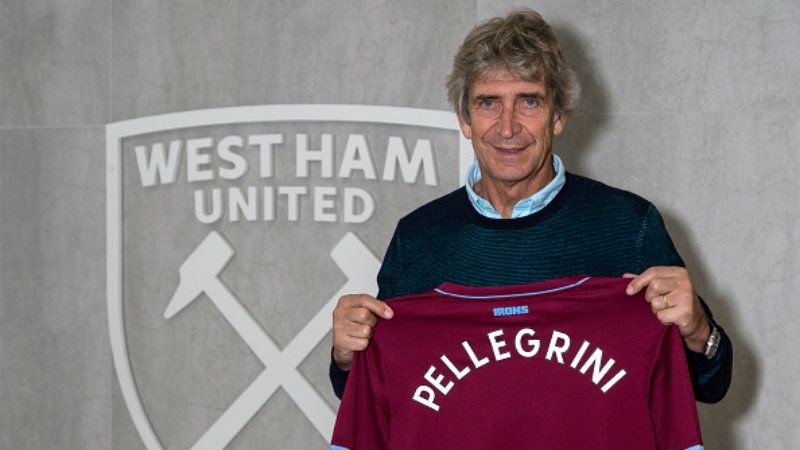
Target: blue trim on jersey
522,294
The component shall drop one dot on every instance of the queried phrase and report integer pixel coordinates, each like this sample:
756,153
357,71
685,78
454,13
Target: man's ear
560,119
466,128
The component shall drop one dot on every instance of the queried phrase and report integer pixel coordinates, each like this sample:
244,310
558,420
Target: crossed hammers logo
199,274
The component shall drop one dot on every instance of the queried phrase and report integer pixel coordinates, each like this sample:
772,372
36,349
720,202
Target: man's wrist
342,363
697,341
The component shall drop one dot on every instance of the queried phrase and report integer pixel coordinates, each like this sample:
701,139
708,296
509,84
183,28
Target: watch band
712,344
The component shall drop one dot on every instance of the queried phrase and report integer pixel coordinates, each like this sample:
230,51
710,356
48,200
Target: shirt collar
524,207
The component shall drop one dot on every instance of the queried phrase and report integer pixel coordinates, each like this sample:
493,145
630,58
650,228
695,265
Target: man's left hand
673,300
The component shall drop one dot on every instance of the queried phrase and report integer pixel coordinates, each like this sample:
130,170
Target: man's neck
504,196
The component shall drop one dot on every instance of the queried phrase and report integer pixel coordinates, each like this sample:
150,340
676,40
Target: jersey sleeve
362,421
672,408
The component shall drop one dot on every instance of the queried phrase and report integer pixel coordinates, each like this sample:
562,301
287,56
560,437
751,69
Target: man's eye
530,102
487,103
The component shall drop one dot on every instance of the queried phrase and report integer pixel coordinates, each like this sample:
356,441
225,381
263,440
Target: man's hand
673,300
353,320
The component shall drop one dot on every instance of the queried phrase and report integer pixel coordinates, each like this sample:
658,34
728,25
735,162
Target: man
521,218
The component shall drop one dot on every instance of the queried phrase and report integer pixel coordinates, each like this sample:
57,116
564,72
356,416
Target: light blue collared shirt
524,207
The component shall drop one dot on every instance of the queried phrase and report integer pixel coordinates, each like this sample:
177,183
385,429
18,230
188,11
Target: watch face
712,344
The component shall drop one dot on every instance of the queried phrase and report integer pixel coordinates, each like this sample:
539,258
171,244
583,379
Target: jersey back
572,363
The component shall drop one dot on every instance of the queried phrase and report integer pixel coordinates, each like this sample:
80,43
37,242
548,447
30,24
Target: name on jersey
510,311
440,379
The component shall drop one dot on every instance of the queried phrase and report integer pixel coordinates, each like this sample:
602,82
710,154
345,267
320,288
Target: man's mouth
509,150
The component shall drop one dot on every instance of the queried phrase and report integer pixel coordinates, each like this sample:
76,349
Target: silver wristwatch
712,344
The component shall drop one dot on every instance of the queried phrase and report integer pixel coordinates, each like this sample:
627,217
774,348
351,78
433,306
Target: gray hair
521,43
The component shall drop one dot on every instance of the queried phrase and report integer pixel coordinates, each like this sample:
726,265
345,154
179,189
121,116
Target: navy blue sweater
588,228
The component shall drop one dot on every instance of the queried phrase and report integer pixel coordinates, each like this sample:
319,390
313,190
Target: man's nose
508,123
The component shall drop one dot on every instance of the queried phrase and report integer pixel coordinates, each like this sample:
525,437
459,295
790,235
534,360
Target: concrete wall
693,105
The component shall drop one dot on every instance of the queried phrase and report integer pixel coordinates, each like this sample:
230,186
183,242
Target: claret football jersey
572,363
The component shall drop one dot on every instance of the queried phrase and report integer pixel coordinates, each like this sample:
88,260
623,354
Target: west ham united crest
232,233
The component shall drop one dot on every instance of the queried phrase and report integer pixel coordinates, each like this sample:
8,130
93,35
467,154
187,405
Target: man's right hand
353,320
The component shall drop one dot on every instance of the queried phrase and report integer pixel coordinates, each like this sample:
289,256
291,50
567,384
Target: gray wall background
693,105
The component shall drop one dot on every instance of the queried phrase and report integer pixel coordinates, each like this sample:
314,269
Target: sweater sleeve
711,378
387,279
390,270
654,244
338,377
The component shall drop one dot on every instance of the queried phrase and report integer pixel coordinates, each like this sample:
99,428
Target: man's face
512,128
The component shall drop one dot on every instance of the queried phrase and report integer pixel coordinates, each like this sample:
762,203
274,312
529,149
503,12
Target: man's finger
361,316
658,303
630,275
376,306
344,347
360,331
343,354
668,316
659,287
356,344
642,280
